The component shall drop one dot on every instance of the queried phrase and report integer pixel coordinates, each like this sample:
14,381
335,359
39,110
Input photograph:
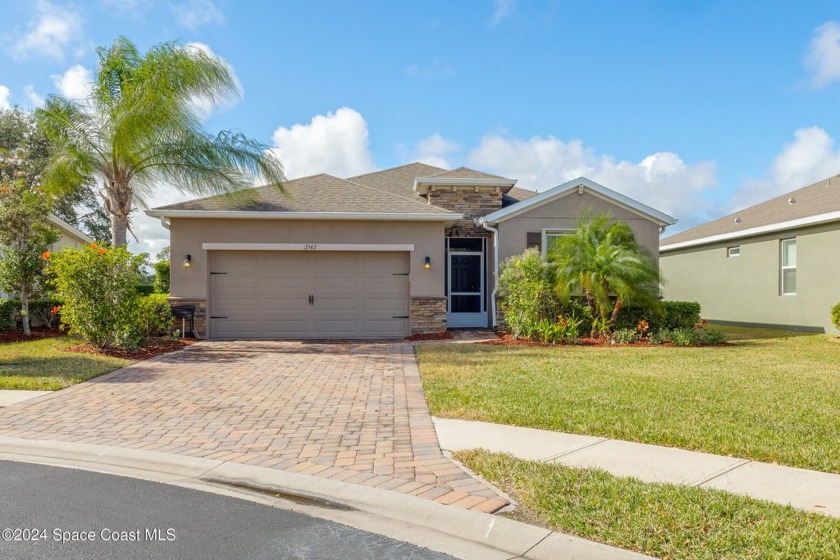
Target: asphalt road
66,513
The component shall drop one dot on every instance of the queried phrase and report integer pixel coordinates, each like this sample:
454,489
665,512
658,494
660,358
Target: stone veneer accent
428,315
472,202
200,314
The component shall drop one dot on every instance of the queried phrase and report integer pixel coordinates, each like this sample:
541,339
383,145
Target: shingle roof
516,194
813,200
317,193
464,173
398,180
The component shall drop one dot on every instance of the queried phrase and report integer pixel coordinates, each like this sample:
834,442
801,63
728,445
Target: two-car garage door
308,294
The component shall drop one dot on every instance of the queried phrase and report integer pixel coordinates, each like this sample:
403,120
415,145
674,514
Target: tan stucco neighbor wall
562,214
747,288
188,235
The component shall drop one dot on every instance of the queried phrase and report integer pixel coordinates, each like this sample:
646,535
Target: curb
451,530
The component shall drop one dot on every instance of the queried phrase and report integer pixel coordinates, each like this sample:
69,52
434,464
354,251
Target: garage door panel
337,282
285,282
266,294
285,304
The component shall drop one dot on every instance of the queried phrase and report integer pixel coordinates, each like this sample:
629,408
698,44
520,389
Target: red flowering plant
98,287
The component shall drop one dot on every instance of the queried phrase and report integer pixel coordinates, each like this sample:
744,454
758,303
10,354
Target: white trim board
365,247
770,228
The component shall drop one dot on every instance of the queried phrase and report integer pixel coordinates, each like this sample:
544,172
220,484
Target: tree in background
25,237
602,260
161,268
140,130
80,208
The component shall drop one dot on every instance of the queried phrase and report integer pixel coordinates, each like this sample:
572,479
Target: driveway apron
349,411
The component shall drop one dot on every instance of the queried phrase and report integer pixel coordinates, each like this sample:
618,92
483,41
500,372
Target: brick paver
349,411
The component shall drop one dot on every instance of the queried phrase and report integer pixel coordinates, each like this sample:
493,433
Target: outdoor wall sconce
427,264
188,261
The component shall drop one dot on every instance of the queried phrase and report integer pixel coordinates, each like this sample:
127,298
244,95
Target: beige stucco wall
188,234
563,213
747,288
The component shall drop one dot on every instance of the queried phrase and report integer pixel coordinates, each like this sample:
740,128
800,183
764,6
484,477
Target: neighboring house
402,251
69,236
773,264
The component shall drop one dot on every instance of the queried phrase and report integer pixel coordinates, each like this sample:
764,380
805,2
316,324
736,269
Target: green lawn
43,365
661,520
772,396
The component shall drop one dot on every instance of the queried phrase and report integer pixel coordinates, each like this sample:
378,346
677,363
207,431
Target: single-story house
412,249
773,264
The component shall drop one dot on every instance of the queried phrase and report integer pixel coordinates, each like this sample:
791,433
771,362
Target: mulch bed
37,333
156,347
446,335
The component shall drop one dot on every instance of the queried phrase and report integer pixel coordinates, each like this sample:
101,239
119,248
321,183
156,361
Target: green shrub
157,313
657,337
98,286
713,336
683,336
526,289
625,336
145,289
7,315
680,314
835,316
161,276
670,315
41,312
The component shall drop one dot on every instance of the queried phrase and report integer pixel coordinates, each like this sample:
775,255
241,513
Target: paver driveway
349,411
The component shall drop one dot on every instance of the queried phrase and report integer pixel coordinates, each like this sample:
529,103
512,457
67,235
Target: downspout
164,223
495,233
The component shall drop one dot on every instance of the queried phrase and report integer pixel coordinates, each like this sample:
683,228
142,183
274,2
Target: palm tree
602,260
139,129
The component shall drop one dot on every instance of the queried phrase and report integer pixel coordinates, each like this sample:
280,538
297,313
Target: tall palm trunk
117,196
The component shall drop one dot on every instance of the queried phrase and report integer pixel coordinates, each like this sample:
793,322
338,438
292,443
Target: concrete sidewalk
8,397
808,490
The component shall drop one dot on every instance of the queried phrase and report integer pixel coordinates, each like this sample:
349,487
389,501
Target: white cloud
75,83
502,9
661,180
193,14
5,105
35,100
434,150
49,33
823,58
204,107
809,158
437,69
335,143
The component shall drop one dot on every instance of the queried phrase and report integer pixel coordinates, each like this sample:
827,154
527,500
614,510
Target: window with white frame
550,236
733,251
788,247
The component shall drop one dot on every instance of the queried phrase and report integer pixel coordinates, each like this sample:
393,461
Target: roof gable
812,204
581,184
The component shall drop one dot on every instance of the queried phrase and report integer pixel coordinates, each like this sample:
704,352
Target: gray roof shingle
317,193
820,198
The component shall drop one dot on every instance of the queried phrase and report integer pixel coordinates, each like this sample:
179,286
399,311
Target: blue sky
696,108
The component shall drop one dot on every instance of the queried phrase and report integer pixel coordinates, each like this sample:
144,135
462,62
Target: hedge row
673,315
40,312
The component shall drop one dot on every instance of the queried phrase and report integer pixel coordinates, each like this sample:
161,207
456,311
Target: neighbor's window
788,266
733,251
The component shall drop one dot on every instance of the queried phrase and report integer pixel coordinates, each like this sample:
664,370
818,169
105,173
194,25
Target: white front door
466,304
